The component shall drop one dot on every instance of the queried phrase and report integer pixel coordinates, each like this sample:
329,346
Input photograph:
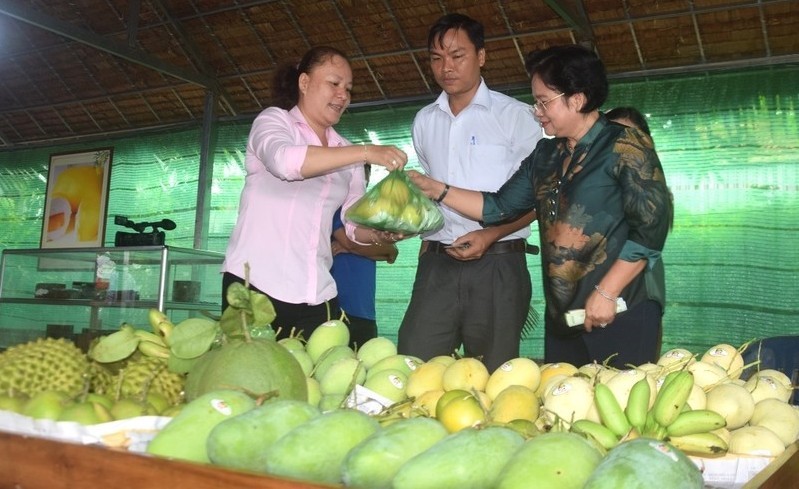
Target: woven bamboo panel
151,67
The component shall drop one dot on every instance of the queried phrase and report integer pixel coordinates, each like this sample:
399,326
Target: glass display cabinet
63,292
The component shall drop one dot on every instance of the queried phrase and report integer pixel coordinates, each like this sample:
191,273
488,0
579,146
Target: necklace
570,146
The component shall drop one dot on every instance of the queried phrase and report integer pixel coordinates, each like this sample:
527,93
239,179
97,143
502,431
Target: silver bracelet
605,294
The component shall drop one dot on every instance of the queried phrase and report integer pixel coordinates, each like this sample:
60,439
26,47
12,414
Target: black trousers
480,304
300,317
633,338
361,330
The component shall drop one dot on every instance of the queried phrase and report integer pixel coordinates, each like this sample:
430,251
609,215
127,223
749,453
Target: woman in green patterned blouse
602,206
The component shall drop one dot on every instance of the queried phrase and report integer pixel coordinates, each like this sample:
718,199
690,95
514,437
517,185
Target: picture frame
76,199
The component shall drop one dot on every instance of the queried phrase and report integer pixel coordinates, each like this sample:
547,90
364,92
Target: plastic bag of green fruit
395,204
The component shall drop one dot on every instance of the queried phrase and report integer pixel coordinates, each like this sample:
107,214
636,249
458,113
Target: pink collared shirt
285,221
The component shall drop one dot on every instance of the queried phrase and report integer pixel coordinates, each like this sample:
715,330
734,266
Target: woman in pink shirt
299,172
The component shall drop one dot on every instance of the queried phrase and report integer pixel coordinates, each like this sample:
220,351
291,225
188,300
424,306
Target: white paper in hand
576,317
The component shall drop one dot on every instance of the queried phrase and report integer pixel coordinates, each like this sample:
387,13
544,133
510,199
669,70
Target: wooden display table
37,463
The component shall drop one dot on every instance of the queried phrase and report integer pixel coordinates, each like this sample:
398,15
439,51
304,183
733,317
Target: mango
185,436
403,363
374,350
241,442
329,357
46,405
465,373
470,458
15,404
85,413
515,402
644,463
389,383
314,451
326,336
427,377
554,460
517,371
130,408
342,376
373,463
314,391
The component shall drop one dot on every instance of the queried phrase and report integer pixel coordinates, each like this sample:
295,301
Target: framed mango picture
76,199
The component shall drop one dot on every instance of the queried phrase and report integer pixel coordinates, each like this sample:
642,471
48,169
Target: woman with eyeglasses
602,206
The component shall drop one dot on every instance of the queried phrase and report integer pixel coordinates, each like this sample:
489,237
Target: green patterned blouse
611,203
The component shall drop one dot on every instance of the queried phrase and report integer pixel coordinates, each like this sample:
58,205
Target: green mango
554,460
185,436
86,413
470,458
330,357
315,450
15,404
326,336
46,405
644,463
127,407
241,442
373,463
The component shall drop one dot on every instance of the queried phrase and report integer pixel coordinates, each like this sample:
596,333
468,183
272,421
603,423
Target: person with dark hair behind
630,117
602,204
299,172
472,285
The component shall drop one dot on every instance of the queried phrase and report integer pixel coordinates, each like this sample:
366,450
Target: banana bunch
121,344
669,418
156,343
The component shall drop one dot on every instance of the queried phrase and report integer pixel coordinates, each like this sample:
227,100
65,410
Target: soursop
44,364
143,374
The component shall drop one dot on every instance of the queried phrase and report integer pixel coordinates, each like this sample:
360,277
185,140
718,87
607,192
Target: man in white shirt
472,286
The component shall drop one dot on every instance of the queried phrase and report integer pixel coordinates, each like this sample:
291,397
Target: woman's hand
599,311
391,157
431,188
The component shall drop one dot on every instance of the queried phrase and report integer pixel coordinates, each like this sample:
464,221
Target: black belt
498,248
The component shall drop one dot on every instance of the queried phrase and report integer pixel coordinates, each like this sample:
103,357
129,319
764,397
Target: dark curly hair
571,69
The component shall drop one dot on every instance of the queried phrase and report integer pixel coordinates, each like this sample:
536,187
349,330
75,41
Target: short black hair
571,69
472,28
632,114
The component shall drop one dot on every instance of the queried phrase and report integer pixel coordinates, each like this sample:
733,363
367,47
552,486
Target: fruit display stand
32,462
38,463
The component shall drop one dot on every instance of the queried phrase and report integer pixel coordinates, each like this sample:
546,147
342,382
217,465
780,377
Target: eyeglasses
542,106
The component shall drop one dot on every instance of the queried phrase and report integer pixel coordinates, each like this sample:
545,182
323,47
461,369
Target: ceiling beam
573,12
65,29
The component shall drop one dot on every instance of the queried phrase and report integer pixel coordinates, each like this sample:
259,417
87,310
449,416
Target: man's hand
471,246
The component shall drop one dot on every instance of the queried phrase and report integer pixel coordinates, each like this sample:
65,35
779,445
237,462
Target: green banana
147,336
701,444
672,397
696,421
652,429
160,323
610,411
599,432
638,404
151,349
